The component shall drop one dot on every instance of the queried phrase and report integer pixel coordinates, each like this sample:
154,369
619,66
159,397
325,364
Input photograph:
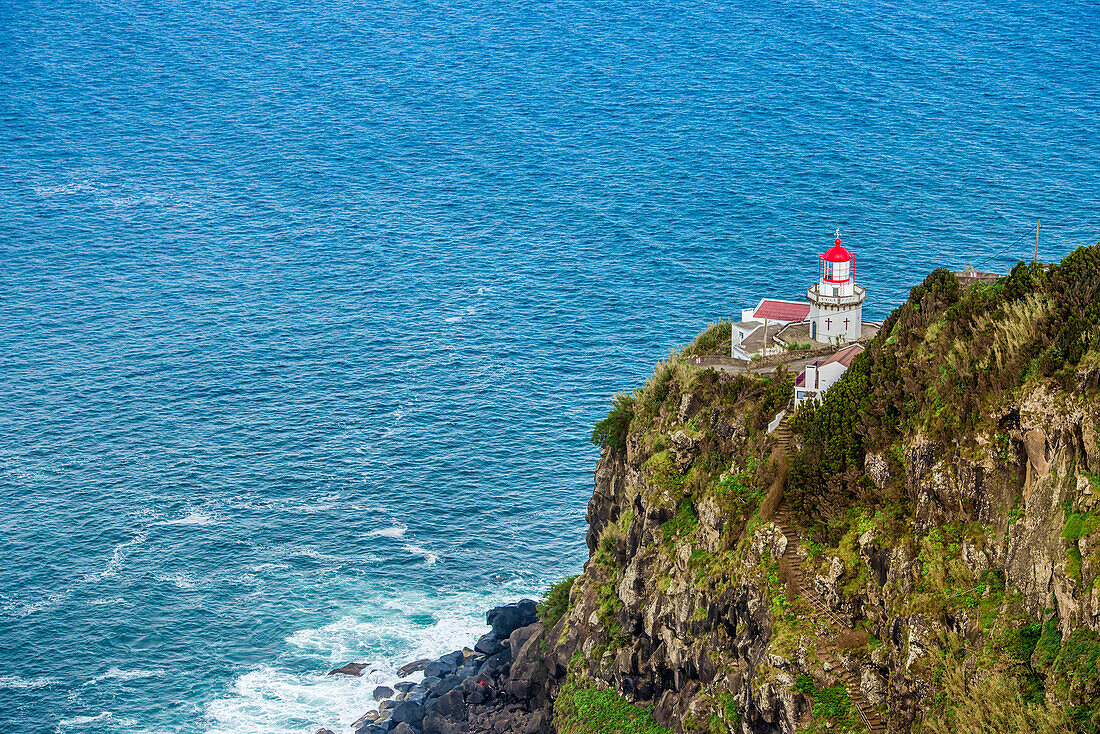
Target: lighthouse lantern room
836,302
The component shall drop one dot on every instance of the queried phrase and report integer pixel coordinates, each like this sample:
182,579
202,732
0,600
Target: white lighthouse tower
836,302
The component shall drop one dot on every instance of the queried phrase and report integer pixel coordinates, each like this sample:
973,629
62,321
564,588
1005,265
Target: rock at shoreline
507,619
475,692
408,712
489,644
382,692
355,669
414,667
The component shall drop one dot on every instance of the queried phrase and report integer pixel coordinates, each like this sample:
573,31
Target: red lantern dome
836,253
835,266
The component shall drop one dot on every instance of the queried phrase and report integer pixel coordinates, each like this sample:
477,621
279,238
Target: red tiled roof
782,310
845,355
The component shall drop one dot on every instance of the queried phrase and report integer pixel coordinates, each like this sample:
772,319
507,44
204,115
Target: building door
813,330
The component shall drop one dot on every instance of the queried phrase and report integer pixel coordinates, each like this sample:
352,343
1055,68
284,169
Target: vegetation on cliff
947,577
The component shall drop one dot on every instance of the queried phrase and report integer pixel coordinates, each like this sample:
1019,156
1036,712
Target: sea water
307,309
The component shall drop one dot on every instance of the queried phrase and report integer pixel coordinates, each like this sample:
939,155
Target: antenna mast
1037,222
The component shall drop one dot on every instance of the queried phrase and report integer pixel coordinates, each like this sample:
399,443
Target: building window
836,291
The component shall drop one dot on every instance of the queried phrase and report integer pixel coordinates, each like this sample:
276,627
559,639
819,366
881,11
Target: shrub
611,431
555,602
715,339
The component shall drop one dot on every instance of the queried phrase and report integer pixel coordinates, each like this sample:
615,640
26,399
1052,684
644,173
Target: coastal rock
403,728
382,692
497,663
438,669
528,673
404,686
454,659
444,685
489,644
451,706
506,619
354,669
408,712
414,667
685,448
434,723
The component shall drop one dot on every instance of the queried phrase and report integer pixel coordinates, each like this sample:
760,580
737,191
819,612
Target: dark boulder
455,658
445,685
403,728
325,731
436,724
371,729
413,667
408,712
498,663
478,690
528,674
452,705
355,669
489,644
538,723
510,617
404,686
382,692
439,669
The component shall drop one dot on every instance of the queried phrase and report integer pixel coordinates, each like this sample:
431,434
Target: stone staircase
871,719
783,433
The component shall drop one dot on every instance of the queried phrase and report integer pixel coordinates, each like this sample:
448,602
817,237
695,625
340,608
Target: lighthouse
836,302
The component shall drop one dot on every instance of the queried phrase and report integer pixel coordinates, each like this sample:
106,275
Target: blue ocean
307,309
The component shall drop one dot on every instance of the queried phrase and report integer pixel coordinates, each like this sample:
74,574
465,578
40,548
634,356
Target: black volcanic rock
510,617
355,669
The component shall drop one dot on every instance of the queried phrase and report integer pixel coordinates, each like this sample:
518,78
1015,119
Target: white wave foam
386,632
424,553
192,518
453,319
124,675
271,701
181,580
117,557
101,718
391,532
14,681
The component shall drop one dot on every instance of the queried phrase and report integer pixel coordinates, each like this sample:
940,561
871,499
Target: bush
612,430
715,339
555,602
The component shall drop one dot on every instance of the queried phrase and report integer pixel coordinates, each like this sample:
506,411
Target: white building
819,376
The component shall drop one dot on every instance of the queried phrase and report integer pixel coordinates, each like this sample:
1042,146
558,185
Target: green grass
832,707
681,524
583,710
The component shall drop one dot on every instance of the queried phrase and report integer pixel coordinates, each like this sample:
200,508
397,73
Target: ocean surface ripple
307,309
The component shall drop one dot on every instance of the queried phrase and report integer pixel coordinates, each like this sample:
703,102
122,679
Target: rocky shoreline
497,686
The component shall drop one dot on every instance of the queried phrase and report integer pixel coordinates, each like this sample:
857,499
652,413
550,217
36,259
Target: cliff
919,553
922,555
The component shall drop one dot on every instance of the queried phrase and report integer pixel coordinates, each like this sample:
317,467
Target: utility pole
1037,221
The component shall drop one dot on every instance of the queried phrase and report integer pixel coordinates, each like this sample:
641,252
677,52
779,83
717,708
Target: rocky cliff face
929,579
